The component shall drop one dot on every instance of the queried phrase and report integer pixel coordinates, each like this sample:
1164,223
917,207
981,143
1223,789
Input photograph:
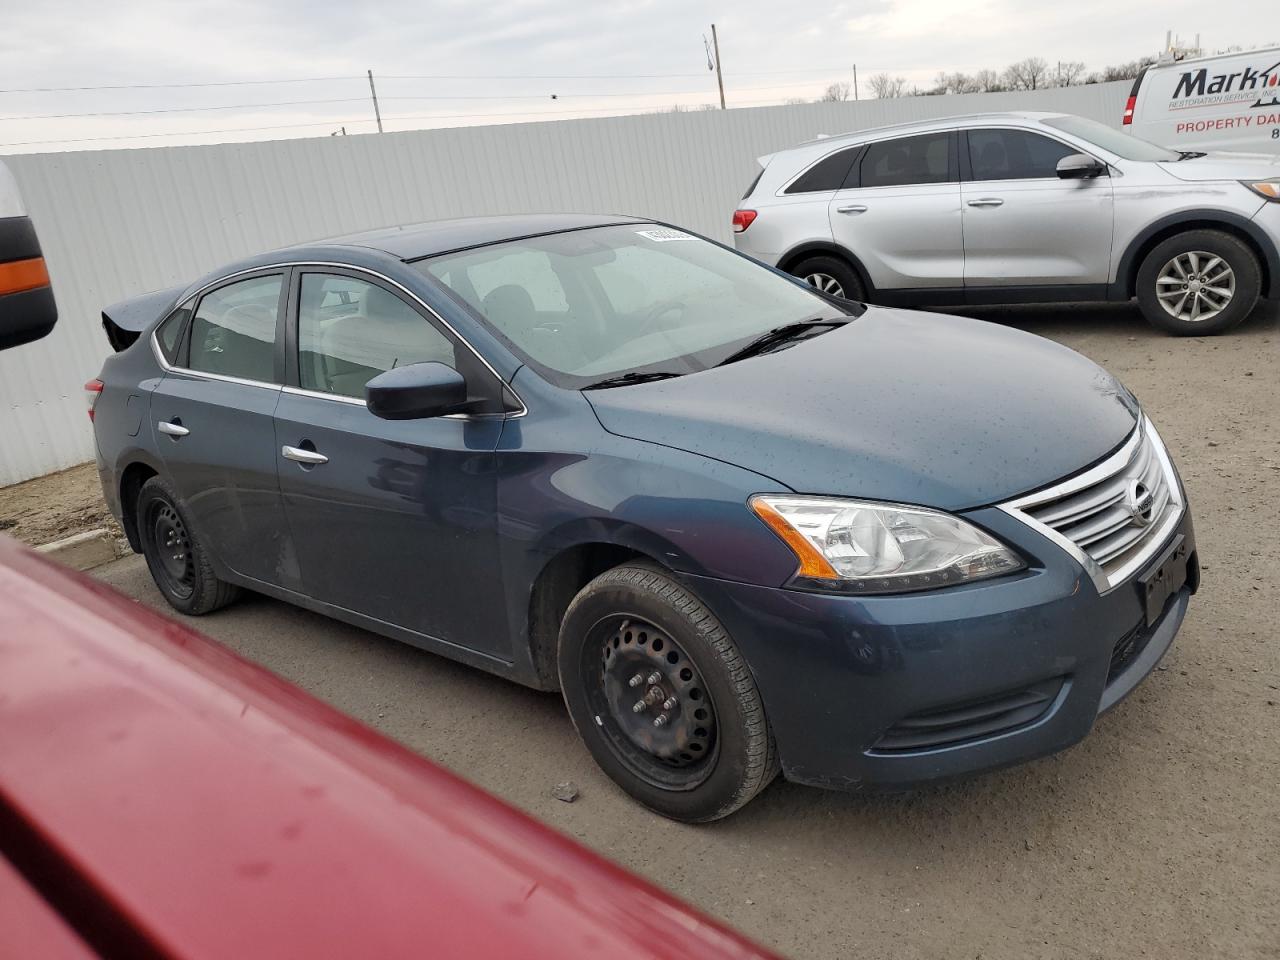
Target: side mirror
416,391
1078,166
27,309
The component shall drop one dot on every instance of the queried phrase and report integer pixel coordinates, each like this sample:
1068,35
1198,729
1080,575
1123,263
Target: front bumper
853,685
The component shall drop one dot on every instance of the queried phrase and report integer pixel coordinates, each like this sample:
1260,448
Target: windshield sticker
662,235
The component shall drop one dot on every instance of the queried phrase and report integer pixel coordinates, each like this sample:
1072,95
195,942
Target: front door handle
174,430
310,457
986,202
852,208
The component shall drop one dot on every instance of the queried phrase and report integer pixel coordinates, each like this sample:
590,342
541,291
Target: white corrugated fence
117,223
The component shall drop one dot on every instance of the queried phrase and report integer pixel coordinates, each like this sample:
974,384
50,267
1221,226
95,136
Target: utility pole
715,42
377,114
855,81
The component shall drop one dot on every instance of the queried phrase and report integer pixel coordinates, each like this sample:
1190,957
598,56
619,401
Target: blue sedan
740,525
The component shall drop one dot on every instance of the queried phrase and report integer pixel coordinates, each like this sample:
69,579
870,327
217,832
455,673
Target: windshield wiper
771,338
1191,154
626,379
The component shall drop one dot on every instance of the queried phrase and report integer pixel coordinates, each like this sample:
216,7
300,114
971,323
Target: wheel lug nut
669,703
635,681
654,678
660,720
639,707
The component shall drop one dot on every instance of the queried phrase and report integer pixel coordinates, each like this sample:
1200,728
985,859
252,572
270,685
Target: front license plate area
1164,578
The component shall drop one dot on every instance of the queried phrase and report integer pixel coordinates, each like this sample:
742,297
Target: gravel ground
55,506
1159,836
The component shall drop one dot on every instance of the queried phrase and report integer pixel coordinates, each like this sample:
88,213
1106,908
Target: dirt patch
55,506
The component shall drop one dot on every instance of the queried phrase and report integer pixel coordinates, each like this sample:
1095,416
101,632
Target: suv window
351,330
829,173
1014,155
234,330
169,333
921,159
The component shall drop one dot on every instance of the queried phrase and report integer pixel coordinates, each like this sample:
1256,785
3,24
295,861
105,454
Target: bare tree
835,92
956,83
987,81
884,86
1126,71
1029,74
1069,72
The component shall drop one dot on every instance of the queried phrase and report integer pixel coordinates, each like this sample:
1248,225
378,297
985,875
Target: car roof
415,240
934,123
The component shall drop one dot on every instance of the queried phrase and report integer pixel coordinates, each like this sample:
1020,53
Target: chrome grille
1103,515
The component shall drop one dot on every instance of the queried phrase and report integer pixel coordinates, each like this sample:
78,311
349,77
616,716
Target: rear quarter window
169,333
829,173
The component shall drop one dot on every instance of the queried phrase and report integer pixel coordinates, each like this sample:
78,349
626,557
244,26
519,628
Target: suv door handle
174,430
986,202
852,208
310,457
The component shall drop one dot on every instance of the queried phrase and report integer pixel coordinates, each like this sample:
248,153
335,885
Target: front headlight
1267,189
865,547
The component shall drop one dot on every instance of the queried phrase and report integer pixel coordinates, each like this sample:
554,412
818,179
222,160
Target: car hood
1226,166
898,405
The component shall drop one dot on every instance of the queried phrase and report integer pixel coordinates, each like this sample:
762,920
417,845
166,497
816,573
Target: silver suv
1021,208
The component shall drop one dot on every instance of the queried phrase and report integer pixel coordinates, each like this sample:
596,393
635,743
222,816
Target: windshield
586,305
1108,138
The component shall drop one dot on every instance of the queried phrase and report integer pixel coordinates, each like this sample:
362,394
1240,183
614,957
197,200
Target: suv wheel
1198,283
178,561
662,697
832,276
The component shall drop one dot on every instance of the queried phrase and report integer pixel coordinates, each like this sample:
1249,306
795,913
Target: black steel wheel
178,561
661,696
652,702
167,534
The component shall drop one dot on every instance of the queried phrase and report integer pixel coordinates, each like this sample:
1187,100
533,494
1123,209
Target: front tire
832,276
1198,283
177,559
661,696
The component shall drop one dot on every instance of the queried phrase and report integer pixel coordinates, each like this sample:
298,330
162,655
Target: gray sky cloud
771,51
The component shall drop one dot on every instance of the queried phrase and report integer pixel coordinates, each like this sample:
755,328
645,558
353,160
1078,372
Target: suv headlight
1267,189
864,547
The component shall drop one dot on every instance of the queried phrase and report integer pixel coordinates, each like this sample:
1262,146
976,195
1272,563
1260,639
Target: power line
160,86
422,76
225,106
180,133
432,97
652,108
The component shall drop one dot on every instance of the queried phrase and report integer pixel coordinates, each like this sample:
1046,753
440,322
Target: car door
212,417
393,519
1023,226
899,213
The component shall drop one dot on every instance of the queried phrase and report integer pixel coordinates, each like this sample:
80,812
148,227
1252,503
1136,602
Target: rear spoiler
125,321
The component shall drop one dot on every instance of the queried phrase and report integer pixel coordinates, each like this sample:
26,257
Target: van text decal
1197,88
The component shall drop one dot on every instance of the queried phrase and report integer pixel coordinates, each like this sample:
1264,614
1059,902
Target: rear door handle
303,456
986,202
852,208
174,430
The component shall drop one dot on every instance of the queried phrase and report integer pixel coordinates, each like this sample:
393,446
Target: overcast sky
511,56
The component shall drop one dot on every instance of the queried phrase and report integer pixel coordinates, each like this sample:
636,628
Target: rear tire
1198,283
831,275
178,560
635,635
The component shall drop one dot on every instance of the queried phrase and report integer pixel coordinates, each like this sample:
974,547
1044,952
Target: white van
1228,102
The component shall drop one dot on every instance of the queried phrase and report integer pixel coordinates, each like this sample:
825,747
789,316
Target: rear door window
1014,155
926,158
233,332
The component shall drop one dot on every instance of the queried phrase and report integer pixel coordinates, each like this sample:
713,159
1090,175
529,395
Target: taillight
1129,106
92,391
743,219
